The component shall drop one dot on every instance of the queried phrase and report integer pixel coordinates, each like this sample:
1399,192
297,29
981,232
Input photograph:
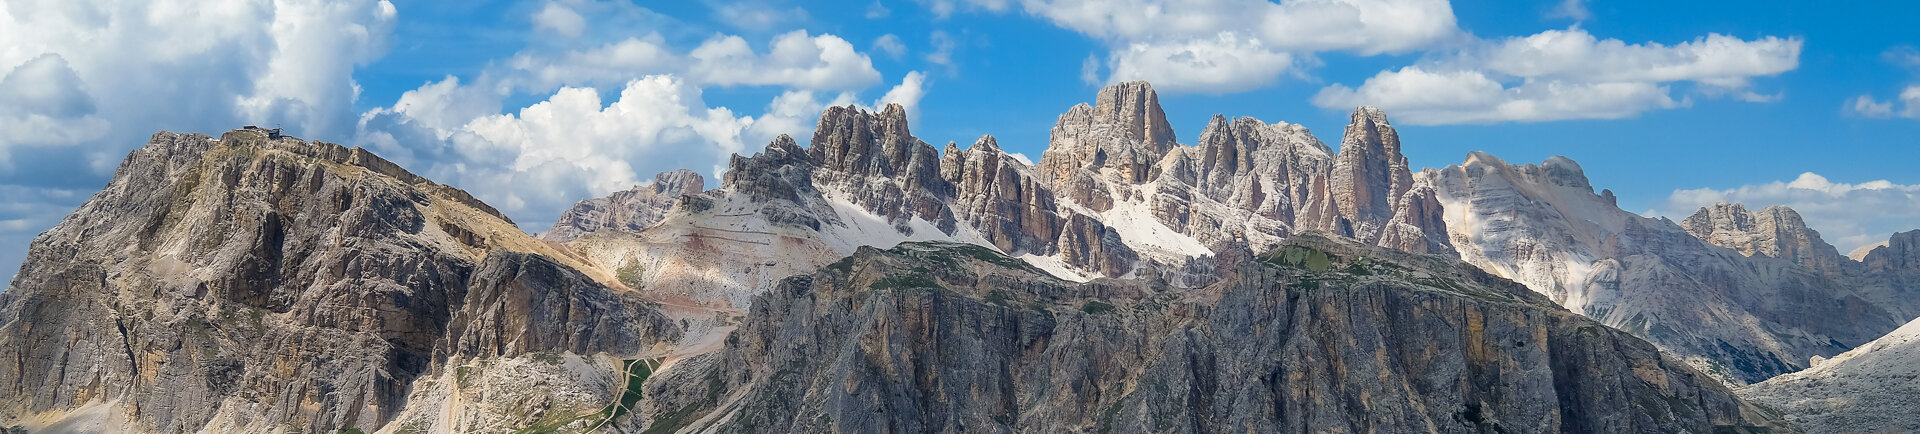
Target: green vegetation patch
952,255
918,279
636,371
1096,307
630,273
671,422
999,298
1309,258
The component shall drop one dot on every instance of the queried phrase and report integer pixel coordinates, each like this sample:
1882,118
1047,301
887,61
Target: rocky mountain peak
856,142
1370,166
1901,252
875,159
629,210
1565,172
1124,131
255,283
1556,171
782,171
1774,231
1135,108
1374,190
681,181
1859,254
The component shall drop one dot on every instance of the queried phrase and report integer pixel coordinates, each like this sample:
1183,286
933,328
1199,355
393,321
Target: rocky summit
633,209
250,284
1255,280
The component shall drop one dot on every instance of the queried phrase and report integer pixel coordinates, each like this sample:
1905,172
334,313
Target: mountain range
1256,280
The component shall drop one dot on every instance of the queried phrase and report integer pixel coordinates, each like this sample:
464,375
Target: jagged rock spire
1125,131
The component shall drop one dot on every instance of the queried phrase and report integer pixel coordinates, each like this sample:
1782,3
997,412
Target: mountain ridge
244,264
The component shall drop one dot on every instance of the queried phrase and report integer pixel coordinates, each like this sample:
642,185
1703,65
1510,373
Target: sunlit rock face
1744,318
257,283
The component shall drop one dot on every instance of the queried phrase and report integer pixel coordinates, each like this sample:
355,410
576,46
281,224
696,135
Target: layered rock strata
1745,318
1774,231
257,284
1317,334
628,210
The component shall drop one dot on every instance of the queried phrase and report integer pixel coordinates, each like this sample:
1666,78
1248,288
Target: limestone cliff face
629,210
1901,253
1278,172
1113,196
1317,335
877,162
1375,192
1010,205
1774,231
253,284
1889,274
1746,318
1252,182
1120,136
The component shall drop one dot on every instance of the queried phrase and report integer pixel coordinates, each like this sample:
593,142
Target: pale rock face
1246,180
1739,317
1774,231
876,161
1252,182
257,284
1867,389
1001,197
629,210
1114,196
1900,253
1122,135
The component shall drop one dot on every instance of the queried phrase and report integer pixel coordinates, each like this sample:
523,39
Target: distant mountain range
1256,280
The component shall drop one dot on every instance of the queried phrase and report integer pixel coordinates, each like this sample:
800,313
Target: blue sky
533,105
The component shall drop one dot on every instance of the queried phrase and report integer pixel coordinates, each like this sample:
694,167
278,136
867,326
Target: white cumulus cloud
1237,45
123,69
1909,105
1567,74
560,19
793,59
1571,9
890,44
573,145
1223,63
1419,97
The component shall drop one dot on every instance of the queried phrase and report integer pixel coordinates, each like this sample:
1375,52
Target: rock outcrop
1315,335
1774,231
1740,317
629,210
1901,253
878,164
252,284
1276,174
1120,136
1375,192
1867,389
1252,182
1001,197
1113,196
